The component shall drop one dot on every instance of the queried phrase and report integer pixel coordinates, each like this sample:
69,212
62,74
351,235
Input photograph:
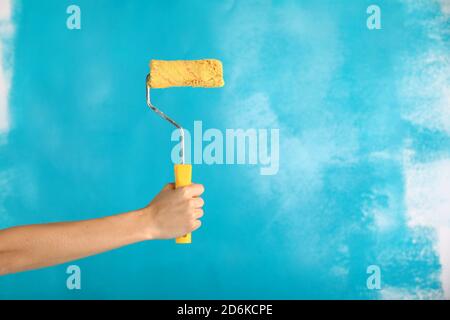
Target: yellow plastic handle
183,177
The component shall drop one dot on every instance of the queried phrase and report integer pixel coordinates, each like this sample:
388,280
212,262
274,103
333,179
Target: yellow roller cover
206,73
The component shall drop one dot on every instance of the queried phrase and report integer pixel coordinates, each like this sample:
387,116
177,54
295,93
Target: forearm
36,246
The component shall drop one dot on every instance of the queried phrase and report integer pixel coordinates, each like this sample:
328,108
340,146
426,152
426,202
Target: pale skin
172,213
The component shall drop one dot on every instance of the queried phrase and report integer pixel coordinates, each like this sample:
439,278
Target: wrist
145,225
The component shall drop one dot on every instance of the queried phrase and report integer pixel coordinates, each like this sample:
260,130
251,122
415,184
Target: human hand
173,212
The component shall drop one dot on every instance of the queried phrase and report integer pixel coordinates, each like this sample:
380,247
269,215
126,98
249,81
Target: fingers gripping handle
183,177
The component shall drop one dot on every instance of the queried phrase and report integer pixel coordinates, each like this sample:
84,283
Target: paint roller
206,73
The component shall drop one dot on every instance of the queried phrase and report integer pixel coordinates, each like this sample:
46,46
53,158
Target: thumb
169,186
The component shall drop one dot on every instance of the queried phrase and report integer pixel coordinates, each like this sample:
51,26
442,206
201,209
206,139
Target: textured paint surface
206,73
364,120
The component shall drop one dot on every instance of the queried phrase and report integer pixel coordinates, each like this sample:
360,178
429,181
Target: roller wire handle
183,172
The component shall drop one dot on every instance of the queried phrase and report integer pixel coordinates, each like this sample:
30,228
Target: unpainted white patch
407,293
6,34
427,199
445,7
425,91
